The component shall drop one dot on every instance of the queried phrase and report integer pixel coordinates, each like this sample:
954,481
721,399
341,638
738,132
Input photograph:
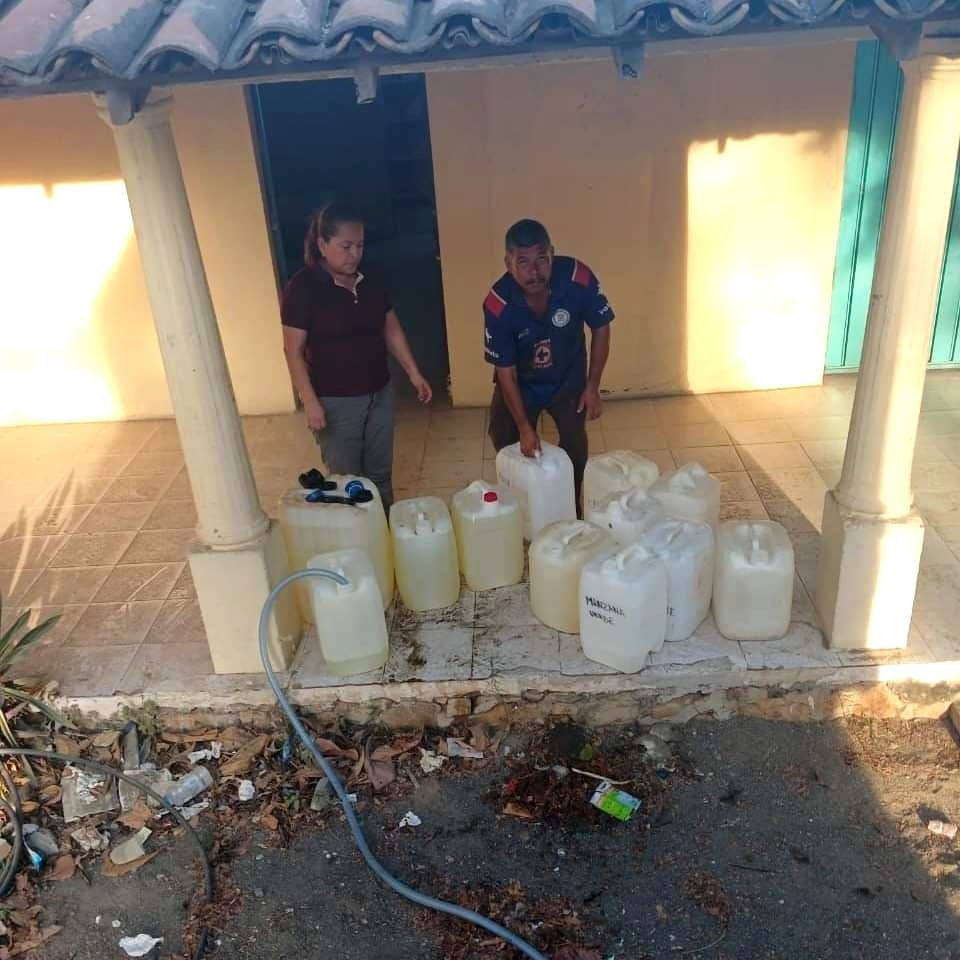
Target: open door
316,142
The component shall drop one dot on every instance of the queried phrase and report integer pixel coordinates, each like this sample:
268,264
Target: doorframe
260,132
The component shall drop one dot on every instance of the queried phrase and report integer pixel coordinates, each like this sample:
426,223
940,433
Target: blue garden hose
398,886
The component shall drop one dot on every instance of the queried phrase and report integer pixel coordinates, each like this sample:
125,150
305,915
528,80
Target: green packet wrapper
615,802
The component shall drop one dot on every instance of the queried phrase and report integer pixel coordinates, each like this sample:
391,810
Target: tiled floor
95,520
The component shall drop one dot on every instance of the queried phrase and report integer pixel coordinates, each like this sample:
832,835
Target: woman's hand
424,391
316,415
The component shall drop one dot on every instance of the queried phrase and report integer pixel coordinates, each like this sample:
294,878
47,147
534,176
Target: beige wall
76,337
705,195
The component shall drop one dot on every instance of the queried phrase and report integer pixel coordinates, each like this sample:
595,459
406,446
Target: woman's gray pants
358,438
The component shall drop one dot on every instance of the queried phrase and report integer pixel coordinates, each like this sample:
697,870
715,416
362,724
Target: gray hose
421,899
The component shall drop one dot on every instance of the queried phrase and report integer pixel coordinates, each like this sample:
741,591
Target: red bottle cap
490,497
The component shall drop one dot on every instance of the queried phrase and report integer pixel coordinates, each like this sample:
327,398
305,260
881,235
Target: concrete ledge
906,690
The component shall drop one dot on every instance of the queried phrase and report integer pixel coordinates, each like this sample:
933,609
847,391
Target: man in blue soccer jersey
534,336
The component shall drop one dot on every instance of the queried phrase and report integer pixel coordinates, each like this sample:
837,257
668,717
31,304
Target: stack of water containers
642,569
423,546
350,538
650,559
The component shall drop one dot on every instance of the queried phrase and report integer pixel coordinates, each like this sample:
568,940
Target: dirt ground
755,840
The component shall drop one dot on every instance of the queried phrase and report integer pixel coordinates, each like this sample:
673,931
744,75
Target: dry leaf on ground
243,759
64,868
199,737
41,938
514,809
137,816
110,869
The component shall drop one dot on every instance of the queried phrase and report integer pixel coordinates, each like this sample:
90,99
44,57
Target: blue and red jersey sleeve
597,311
499,345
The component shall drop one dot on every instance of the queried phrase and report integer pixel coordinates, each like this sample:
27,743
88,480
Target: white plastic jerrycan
351,627
489,528
753,580
557,556
614,472
312,528
623,607
687,552
626,514
425,553
543,485
689,493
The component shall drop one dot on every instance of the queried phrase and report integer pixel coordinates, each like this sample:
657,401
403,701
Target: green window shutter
877,84
944,348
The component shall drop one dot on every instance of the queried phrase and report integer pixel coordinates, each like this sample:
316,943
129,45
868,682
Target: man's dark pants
571,426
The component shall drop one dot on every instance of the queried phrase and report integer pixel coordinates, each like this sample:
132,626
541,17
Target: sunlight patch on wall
67,241
759,272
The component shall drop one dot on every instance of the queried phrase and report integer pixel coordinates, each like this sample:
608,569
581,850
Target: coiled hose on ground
10,805
398,886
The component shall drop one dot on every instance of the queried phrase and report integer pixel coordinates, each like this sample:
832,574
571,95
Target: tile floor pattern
95,520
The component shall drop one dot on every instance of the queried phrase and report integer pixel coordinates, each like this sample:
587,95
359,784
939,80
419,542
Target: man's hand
529,442
590,401
424,390
316,415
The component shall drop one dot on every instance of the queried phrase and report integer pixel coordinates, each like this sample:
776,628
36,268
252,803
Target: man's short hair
527,233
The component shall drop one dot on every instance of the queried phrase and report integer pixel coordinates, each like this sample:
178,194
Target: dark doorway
317,142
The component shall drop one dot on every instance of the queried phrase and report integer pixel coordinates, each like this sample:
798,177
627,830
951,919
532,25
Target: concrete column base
867,578
232,586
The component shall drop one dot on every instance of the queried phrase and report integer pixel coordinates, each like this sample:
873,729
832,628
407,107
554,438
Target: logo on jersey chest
542,355
561,317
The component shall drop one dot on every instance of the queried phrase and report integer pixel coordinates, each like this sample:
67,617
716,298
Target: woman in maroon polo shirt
338,326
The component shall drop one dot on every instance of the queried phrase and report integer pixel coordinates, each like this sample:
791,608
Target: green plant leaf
7,639
48,709
10,653
6,731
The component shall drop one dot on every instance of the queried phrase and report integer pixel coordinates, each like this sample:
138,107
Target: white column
872,534
240,554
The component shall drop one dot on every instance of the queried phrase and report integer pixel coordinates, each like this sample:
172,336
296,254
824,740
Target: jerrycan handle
683,480
548,465
349,586
633,552
756,549
423,526
578,529
676,530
